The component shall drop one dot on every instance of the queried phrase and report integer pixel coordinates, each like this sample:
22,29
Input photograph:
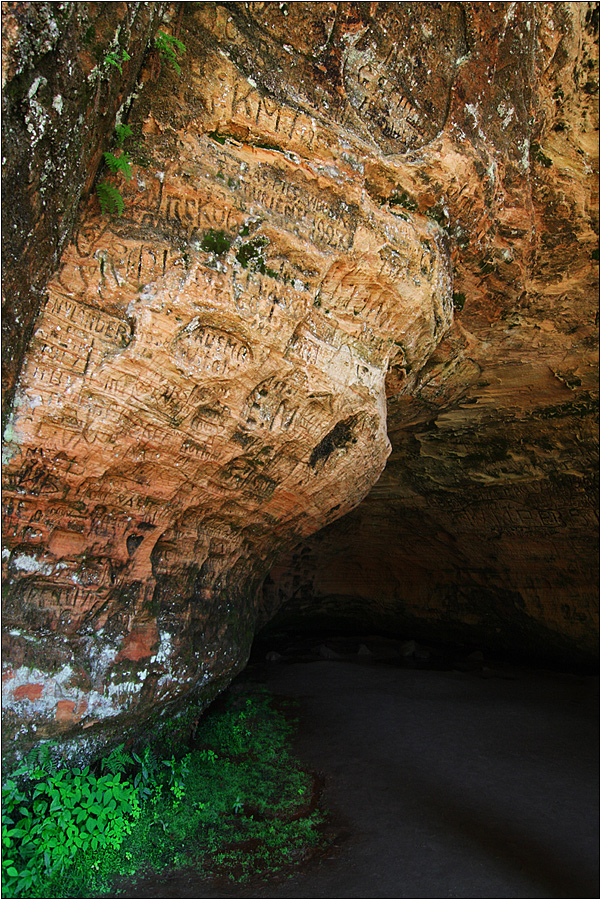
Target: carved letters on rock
187,407
215,375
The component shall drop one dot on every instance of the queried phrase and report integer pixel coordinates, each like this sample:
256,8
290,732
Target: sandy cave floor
441,783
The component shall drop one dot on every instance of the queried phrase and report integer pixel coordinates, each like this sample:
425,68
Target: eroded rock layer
60,96
204,386
484,526
211,373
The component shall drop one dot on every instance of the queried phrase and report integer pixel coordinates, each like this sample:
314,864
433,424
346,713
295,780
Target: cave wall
484,526
354,233
60,98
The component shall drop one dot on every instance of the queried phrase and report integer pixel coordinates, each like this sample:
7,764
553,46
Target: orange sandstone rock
345,239
28,692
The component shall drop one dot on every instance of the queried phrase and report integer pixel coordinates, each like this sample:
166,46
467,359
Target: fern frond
116,57
122,132
117,761
119,163
169,47
45,758
110,199
167,43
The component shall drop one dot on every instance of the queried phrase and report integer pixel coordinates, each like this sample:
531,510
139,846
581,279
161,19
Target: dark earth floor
443,783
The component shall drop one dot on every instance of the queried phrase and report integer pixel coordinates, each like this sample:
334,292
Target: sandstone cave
300,366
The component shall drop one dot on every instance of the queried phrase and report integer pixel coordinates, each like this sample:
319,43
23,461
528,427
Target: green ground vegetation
236,804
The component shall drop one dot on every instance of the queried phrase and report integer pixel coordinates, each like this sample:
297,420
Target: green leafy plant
120,160
136,149
178,770
146,770
119,164
116,58
235,805
122,163
170,48
110,199
122,132
108,195
209,755
57,815
117,761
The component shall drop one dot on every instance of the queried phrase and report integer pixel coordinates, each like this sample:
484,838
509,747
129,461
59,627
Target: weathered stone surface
60,96
218,374
484,526
204,386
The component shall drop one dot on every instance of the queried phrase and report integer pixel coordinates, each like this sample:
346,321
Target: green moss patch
251,255
216,242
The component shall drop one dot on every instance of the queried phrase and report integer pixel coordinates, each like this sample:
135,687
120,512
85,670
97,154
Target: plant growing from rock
116,58
119,162
170,48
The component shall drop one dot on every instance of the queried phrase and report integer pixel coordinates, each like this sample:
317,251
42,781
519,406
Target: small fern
116,58
122,132
119,163
110,199
136,149
45,759
170,47
117,761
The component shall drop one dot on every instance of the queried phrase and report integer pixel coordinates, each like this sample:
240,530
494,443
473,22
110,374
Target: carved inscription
205,350
35,475
112,266
196,212
71,336
517,519
324,220
388,83
182,362
271,308
227,185
274,404
318,342
234,100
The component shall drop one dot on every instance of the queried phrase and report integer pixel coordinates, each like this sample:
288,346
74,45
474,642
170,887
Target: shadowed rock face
210,376
484,526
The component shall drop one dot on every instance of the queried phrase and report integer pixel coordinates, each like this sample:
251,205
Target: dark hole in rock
340,436
133,542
